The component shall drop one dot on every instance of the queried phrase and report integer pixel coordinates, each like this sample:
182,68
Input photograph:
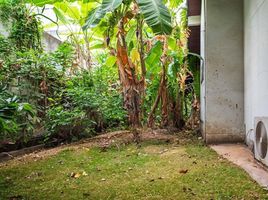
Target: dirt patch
103,141
172,152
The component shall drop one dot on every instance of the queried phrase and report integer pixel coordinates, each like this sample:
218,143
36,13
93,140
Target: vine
25,30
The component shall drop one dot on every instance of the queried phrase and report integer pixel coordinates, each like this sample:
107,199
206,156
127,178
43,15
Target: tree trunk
130,84
164,100
150,121
178,112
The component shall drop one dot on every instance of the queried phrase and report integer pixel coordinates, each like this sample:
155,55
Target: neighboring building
234,45
50,43
194,21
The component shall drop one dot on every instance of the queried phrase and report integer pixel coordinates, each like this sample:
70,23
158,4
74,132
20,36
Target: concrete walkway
240,155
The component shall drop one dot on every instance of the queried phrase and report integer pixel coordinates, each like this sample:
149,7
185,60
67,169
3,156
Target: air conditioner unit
261,139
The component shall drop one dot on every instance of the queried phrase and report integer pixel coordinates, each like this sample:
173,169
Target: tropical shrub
90,103
16,119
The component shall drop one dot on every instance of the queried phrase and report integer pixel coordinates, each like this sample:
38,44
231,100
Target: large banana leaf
95,15
93,18
42,2
153,58
110,5
156,16
65,20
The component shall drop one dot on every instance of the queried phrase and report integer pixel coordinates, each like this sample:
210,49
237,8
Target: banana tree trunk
164,100
150,121
128,78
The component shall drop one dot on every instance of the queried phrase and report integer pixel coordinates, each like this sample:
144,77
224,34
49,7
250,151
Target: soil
105,141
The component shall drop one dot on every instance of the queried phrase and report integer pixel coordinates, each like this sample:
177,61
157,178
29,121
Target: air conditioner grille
261,139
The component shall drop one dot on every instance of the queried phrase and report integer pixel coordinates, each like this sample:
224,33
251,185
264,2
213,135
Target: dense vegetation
140,74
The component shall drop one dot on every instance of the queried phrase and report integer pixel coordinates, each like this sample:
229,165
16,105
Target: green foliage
64,55
16,119
90,102
67,124
73,99
156,15
24,27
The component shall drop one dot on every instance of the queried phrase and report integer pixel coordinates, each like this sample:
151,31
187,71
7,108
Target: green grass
150,172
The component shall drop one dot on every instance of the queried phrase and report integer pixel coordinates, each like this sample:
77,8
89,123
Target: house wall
256,65
222,91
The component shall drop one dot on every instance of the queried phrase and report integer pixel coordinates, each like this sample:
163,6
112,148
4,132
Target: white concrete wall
50,43
256,63
3,30
222,103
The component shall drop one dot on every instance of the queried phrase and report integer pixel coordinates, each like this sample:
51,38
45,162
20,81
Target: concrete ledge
240,155
224,138
4,156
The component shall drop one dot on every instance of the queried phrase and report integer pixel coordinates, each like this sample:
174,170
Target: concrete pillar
222,91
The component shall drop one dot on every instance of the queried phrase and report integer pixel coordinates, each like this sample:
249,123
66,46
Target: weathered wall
3,30
222,103
49,42
256,64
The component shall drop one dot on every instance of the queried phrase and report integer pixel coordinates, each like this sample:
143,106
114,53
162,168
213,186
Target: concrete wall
256,63
50,43
3,30
222,98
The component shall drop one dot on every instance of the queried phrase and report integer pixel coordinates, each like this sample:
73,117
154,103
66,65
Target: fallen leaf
183,171
84,174
75,175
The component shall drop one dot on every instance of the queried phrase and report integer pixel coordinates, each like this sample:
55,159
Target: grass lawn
153,171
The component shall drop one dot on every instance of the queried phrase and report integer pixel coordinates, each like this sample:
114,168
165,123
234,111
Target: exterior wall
194,39
256,67
222,91
50,43
194,12
194,7
3,30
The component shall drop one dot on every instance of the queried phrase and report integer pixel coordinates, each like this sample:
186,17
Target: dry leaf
183,171
84,174
75,175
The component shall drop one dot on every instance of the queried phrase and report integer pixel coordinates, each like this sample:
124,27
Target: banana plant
155,13
117,14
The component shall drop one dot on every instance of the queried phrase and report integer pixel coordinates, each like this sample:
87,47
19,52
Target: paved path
240,155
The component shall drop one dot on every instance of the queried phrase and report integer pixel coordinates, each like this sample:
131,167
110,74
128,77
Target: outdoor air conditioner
261,139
